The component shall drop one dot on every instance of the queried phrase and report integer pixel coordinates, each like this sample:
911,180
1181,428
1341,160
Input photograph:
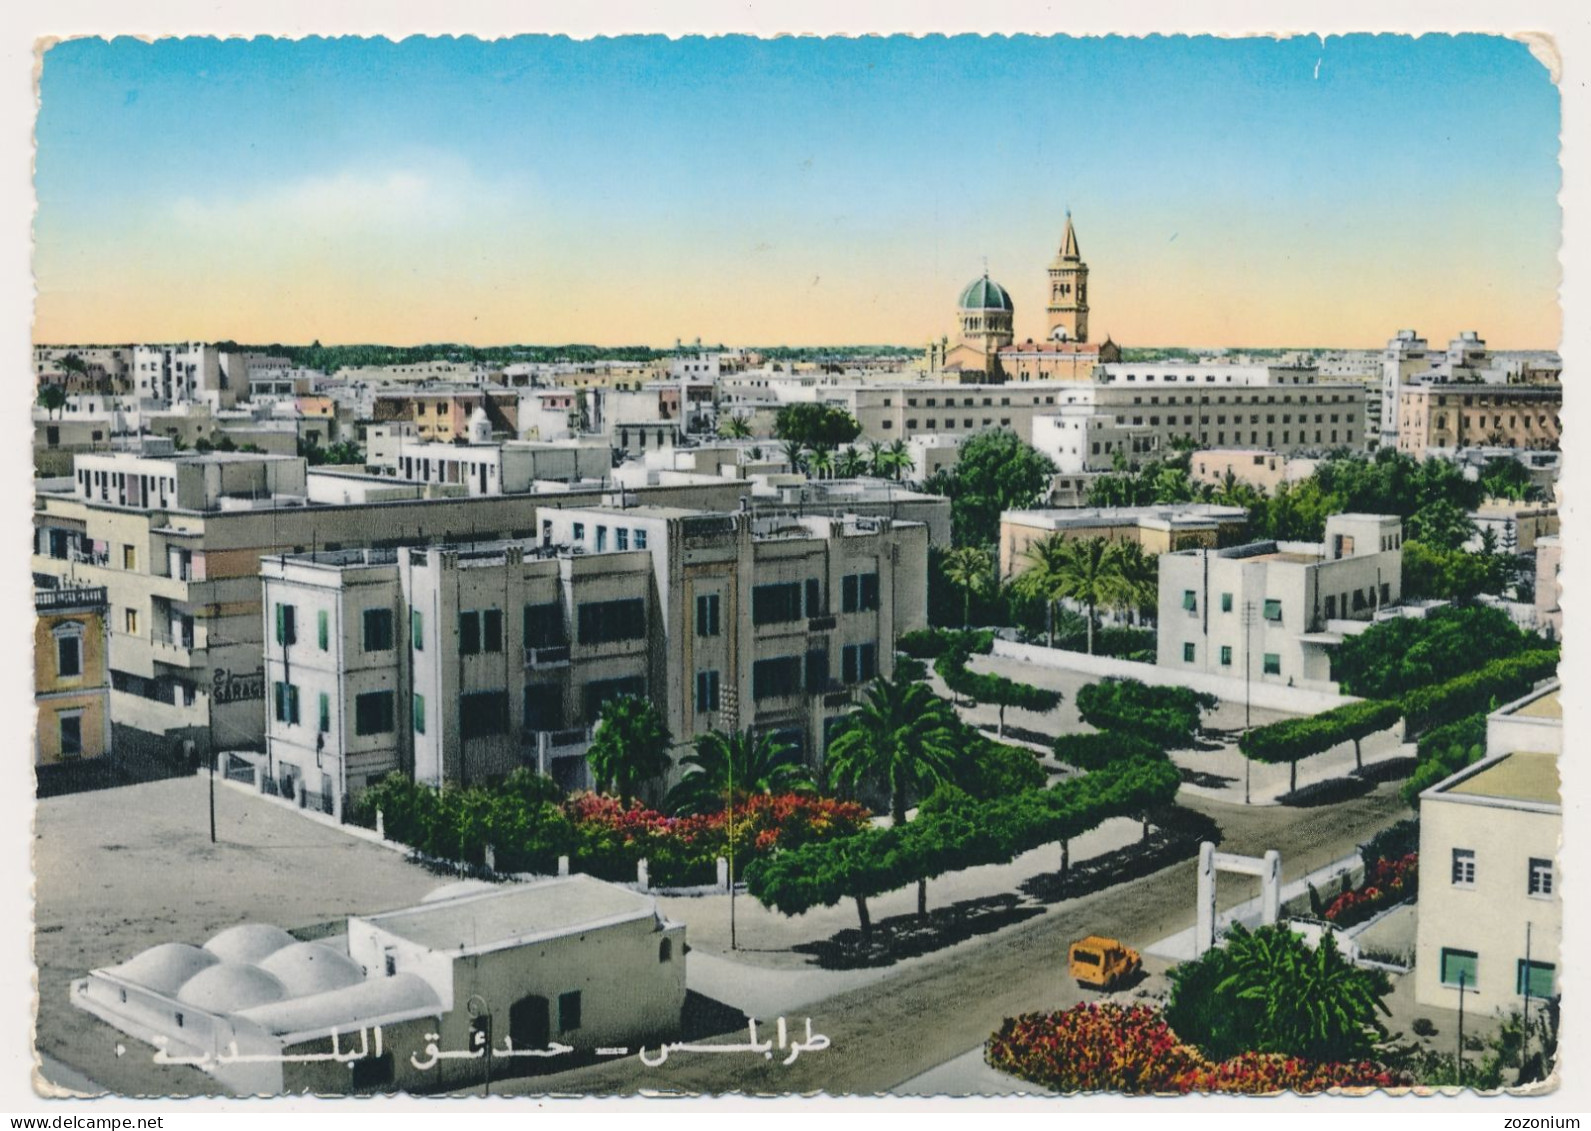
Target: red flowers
1105,1047
1388,882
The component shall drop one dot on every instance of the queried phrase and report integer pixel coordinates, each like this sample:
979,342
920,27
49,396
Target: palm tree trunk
861,914
1091,628
1066,858
966,608
922,898
1000,731
1292,776
1358,761
897,808
1049,617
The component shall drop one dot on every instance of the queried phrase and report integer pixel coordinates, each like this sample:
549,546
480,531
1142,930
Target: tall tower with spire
1068,305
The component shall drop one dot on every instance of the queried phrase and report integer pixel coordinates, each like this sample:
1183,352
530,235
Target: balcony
171,648
63,600
543,747
555,656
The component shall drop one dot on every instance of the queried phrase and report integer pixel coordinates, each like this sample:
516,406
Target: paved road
902,1026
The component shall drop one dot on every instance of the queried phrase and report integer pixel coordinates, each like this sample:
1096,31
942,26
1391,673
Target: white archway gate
1268,868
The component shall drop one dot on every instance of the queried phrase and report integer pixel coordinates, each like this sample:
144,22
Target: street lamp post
480,1011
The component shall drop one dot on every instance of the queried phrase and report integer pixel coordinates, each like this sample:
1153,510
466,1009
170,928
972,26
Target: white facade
1292,591
1489,890
487,468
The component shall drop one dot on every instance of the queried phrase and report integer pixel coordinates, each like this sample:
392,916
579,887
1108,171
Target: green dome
984,294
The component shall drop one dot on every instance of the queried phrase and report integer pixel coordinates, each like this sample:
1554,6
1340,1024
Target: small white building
1292,592
1490,913
571,963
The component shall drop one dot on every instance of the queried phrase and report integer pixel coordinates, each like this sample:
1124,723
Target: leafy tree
52,397
750,762
1442,524
1167,716
970,569
1502,680
1106,748
986,687
814,425
1269,991
630,747
1393,657
995,472
1450,575
1505,478
1292,740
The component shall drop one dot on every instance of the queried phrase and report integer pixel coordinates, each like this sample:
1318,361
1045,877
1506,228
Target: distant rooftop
1546,707
517,913
1520,776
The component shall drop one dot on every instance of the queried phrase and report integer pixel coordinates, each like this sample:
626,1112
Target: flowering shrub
1102,1046
1386,884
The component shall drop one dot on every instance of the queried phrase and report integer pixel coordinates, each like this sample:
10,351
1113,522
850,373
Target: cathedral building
986,350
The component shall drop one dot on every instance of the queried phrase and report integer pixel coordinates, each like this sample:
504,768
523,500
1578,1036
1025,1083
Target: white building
1290,593
463,662
1490,912
571,963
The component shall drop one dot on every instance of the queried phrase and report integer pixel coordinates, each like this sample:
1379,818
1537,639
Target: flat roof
1286,556
1520,776
1545,707
516,913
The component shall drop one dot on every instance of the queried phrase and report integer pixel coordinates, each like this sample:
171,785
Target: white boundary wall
1293,700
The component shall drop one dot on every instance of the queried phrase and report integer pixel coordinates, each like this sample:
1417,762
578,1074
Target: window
419,714
417,629
373,713
492,630
707,614
1187,652
1540,876
1273,663
776,603
129,557
68,656
1226,602
1535,978
600,691
859,662
543,706
665,950
378,630
71,728
1273,609
814,597
1459,967
621,538
483,714
602,538
324,721
1190,600
779,676
569,1011
286,703
603,622
859,591
286,624
469,633
1331,607
544,625
640,539
707,691
1464,867
579,532
1226,655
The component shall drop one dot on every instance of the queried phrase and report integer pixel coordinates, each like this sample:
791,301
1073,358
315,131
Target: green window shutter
325,713
1190,600
1460,965
323,630
419,714
417,629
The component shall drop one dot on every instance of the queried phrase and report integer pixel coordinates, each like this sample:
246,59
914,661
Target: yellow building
1453,415
71,673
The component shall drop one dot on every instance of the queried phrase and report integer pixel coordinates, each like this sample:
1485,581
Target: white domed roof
228,987
248,942
166,967
311,968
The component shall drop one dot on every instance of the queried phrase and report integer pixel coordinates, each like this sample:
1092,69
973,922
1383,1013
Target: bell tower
1068,305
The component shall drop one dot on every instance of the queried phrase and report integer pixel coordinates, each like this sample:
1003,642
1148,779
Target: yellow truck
1099,963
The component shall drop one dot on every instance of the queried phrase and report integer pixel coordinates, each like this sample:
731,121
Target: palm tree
850,463
52,397
630,747
902,738
1085,570
899,459
970,569
1138,579
794,454
734,428
821,462
752,763
876,459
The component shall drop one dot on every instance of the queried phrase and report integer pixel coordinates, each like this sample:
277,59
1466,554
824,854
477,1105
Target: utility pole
1460,1062
731,702
1249,612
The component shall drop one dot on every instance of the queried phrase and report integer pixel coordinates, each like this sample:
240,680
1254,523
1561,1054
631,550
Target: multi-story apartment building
457,663
484,467
71,681
1159,529
444,415
1490,924
1136,412
177,542
189,372
1444,417
1260,469
104,369
899,410
1265,608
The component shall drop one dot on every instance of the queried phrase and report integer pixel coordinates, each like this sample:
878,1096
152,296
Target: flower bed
1388,883
1105,1047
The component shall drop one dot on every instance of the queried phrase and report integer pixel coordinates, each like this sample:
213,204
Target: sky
794,191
